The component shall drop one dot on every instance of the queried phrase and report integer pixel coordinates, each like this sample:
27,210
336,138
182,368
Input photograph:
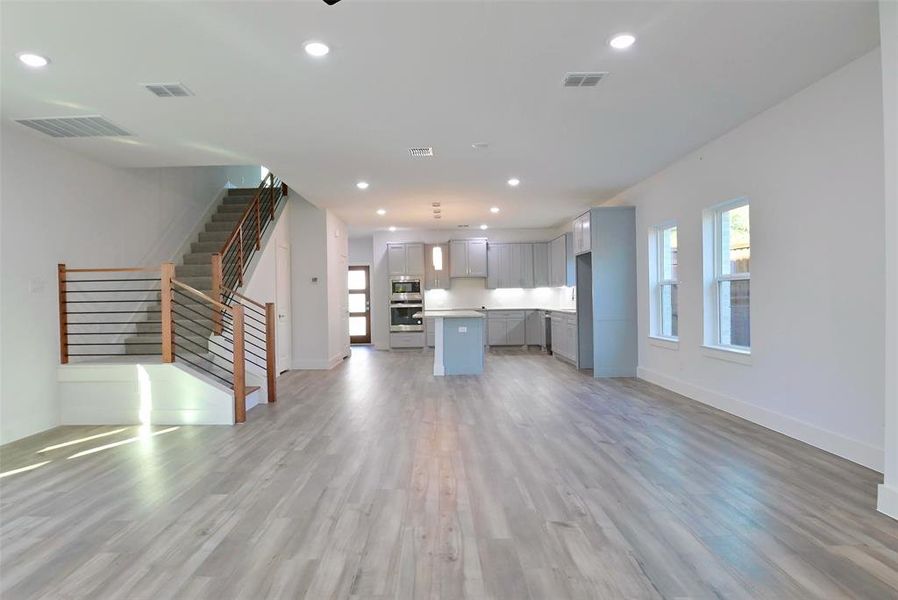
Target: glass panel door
359,305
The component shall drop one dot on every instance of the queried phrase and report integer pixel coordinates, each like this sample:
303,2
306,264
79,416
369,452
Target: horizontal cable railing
259,334
194,343
108,312
230,263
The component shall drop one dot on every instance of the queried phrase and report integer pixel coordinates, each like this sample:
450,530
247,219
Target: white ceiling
444,74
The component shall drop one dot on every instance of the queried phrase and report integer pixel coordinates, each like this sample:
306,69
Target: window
727,275
664,282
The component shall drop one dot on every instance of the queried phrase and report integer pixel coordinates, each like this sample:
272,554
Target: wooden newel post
168,325
63,316
239,366
216,292
270,351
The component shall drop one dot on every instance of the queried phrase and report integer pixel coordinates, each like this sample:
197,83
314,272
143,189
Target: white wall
812,168
888,22
261,283
465,293
59,207
319,254
361,250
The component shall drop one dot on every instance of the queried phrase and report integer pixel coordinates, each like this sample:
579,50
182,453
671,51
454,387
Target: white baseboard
835,443
888,500
317,364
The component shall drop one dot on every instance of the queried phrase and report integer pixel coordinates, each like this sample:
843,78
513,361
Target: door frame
359,339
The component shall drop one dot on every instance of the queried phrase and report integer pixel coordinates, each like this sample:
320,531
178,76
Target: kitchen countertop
449,314
569,311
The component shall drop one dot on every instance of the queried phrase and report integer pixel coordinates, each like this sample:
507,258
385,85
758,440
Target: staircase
195,270
191,313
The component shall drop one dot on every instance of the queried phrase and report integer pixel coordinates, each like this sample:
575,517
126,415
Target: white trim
316,364
728,353
664,342
830,441
888,500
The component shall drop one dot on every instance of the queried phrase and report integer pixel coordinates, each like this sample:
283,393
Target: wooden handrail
202,296
113,270
228,290
251,207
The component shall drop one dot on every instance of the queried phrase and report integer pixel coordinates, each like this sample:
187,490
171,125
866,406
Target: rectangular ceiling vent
168,90
70,127
420,152
584,79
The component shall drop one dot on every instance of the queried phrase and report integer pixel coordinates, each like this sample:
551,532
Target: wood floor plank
378,480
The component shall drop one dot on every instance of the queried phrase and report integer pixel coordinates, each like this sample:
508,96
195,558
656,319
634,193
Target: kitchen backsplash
472,293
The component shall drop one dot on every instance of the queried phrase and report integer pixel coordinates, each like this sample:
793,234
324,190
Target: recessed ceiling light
392,228
480,145
622,41
35,61
484,226
316,49
494,209
514,182
362,185
381,212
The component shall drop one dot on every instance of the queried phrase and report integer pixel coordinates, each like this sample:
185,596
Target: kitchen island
459,341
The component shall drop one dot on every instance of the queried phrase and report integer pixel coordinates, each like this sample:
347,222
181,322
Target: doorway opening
359,305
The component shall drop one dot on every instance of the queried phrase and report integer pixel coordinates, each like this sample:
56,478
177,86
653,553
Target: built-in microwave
405,289
402,316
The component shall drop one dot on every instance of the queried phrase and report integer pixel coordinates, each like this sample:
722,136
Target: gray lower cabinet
510,328
564,336
407,340
536,328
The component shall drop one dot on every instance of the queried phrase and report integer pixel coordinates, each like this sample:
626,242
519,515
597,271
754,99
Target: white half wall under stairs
139,393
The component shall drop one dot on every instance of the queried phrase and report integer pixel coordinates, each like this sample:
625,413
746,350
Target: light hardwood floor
376,480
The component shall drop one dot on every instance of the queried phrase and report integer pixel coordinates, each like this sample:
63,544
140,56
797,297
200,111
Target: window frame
658,282
715,277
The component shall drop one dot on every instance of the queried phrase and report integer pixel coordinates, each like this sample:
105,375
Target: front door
359,305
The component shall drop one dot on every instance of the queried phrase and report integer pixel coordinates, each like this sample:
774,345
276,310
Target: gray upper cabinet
458,258
582,235
406,259
561,261
396,258
557,262
414,259
468,258
526,265
511,266
541,264
436,255
476,258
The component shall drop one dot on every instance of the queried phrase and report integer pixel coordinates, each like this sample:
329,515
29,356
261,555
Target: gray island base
458,341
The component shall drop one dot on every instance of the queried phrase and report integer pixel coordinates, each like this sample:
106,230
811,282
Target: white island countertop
448,314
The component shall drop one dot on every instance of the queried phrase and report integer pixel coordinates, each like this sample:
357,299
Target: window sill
743,357
664,342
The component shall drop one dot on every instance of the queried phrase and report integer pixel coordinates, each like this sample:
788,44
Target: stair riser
215,236
182,271
198,258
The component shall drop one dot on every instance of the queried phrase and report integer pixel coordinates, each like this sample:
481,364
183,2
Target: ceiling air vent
168,90
68,127
420,152
584,79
